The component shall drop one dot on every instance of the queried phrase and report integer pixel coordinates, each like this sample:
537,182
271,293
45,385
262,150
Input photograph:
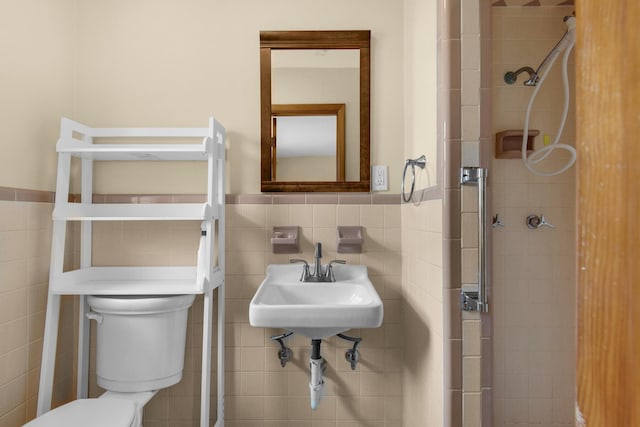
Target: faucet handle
329,274
535,221
305,268
545,223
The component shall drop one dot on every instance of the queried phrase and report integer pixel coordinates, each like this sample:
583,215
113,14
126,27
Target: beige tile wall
476,328
475,132
258,391
534,326
422,294
534,278
25,236
450,79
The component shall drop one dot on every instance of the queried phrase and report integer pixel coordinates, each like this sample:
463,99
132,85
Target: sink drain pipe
318,367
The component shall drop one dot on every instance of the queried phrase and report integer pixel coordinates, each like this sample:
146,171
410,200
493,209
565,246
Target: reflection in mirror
321,76
308,142
316,68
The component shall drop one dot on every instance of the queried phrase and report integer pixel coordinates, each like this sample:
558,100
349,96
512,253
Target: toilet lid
89,412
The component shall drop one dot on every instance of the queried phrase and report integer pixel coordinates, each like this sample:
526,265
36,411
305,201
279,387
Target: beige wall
258,391
475,133
420,95
36,83
474,361
534,270
422,227
422,294
192,62
307,168
25,235
91,61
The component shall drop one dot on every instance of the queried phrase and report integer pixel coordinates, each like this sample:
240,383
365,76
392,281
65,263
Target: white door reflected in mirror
306,148
308,142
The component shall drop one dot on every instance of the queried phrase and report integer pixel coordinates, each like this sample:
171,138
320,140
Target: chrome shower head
511,77
566,42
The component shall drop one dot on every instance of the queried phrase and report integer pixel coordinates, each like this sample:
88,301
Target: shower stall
533,268
518,358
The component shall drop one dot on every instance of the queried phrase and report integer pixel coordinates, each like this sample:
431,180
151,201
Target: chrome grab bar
471,300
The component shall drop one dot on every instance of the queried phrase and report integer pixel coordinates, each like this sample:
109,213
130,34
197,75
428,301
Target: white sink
316,310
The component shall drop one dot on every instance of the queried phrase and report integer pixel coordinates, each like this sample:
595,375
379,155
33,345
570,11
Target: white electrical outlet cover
379,181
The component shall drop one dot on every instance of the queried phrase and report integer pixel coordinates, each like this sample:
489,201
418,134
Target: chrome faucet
329,274
318,275
317,256
305,269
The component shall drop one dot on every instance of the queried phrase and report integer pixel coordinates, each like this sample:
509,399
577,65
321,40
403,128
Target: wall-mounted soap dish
509,143
350,239
284,240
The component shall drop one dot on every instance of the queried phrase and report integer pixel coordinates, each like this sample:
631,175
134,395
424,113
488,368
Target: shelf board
131,212
127,281
129,287
139,152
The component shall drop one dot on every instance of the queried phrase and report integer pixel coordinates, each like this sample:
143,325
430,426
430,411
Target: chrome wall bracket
285,354
469,302
476,299
352,355
471,175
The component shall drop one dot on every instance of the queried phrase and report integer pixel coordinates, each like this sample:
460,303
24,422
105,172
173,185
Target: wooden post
608,247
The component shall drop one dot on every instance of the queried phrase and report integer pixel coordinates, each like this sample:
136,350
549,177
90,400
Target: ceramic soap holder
350,239
284,240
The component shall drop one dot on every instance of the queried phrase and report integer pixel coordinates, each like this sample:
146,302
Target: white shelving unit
77,140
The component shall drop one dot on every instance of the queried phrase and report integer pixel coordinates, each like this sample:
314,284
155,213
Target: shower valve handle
534,222
545,223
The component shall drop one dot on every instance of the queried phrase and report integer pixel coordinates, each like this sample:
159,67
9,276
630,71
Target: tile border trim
24,195
430,193
530,3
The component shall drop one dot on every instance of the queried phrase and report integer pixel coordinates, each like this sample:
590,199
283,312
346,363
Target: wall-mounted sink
316,310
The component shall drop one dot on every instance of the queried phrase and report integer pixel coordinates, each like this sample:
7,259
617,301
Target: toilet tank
140,340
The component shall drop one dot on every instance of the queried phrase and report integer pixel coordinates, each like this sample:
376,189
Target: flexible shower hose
542,153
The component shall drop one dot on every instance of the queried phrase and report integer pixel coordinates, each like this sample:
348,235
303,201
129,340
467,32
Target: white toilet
140,349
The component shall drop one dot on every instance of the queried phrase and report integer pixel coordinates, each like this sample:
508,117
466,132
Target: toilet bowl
139,350
89,412
106,411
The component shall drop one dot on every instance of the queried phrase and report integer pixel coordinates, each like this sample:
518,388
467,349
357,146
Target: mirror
304,77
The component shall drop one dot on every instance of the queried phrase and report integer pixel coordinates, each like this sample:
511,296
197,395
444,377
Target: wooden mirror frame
269,40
